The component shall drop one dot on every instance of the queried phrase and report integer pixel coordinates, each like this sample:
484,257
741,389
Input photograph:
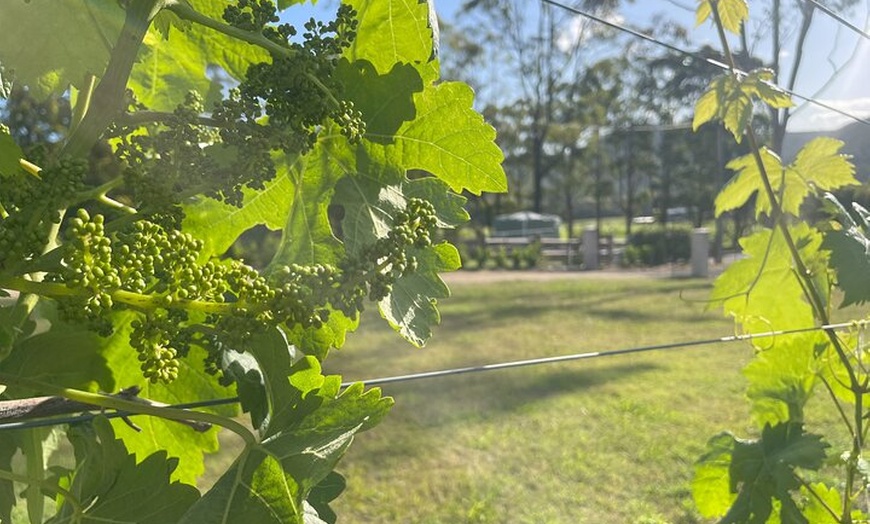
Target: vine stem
108,96
136,300
130,406
184,11
805,277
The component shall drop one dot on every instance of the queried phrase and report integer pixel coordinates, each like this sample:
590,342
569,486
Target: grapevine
115,240
775,476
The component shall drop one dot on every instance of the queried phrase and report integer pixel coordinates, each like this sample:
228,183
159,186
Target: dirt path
491,276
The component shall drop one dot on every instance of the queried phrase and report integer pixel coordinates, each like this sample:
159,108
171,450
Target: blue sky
830,47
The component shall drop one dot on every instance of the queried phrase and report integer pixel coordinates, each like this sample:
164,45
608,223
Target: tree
537,49
125,264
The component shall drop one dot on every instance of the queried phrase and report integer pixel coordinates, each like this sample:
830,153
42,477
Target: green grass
609,440
598,441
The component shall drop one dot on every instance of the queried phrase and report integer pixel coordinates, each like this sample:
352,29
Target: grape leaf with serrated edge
745,286
396,32
732,13
175,59
271,480
850,251
730,99
193,384
760,472
112,486
818,165
781,378
711,487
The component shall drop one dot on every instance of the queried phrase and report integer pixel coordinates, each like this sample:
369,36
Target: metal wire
840,19
52,421
698,56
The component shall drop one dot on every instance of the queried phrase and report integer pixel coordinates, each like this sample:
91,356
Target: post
589,246
700,252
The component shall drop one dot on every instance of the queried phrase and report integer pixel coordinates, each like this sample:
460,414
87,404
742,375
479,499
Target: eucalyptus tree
538,50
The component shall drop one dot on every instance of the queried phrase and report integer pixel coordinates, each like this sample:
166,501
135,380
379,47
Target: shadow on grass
426,408
603,303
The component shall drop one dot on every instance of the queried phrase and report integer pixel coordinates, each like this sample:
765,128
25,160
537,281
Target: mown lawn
597,441
609,440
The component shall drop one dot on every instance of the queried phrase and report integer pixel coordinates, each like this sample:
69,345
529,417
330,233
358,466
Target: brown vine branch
35,408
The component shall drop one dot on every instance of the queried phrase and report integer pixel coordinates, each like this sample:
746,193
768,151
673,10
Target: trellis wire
485,368
697,56
839,19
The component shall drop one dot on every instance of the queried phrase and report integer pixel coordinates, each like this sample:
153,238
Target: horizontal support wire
697,56
485,368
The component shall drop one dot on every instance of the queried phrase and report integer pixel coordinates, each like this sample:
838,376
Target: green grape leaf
849,250
410,308
35,39
763,471
113,487
396,32
275,362
272,480
307,236
815,512
176,58
788,183
322,494
244,370
449,207
318,341
218,224
781,378
46,357
370,202
732,13
193,384
10,154
707,106
747,182
167,70
773,95
745,287
820,163
406,126
725,99
850,259
730,99
448,139
711,484
385,100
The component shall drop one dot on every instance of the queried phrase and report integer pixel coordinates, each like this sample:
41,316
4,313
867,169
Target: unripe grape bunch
103,247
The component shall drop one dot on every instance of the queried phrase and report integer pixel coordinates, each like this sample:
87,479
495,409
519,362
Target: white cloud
812,117
580,29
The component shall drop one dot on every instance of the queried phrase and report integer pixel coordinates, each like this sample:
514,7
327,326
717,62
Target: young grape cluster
296,89
281,104
33,205
133,257
183,300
